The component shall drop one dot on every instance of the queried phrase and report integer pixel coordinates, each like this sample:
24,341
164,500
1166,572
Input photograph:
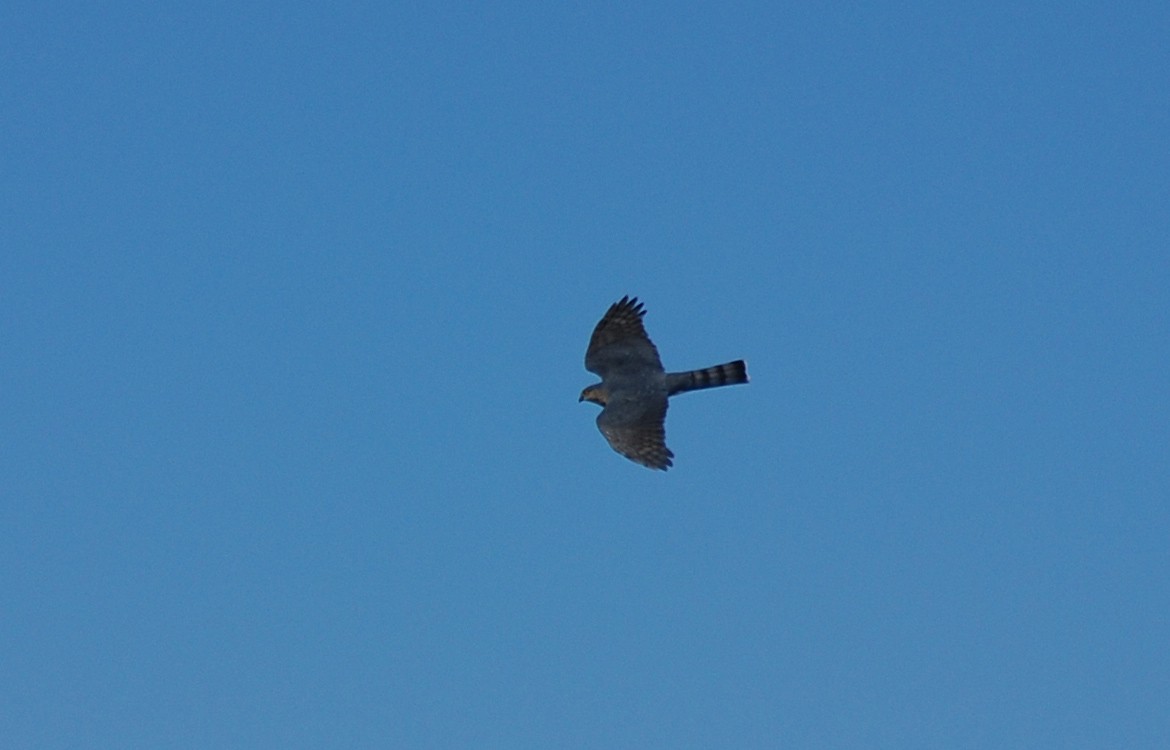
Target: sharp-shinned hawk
634,387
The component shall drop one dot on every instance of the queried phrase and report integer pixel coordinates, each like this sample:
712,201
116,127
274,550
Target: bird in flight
634,387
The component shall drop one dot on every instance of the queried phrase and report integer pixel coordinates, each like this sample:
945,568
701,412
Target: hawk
634,386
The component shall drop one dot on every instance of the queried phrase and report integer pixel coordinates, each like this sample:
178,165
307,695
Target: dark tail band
731,373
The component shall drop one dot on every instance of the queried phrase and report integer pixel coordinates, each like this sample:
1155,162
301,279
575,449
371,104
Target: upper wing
637,430
621,340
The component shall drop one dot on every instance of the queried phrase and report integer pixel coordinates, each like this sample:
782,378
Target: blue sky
294,304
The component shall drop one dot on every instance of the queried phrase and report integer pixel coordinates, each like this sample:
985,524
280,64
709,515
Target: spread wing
636,429
620,340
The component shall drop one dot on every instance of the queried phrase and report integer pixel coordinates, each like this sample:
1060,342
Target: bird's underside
634,387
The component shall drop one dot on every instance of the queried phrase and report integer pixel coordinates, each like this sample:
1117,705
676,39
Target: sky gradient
294,300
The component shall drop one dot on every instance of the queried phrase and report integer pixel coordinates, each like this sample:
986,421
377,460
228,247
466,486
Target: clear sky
294,305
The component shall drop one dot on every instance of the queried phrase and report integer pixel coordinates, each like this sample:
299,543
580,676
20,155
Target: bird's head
595,393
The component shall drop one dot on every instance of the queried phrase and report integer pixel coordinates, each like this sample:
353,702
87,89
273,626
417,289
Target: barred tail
728,374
